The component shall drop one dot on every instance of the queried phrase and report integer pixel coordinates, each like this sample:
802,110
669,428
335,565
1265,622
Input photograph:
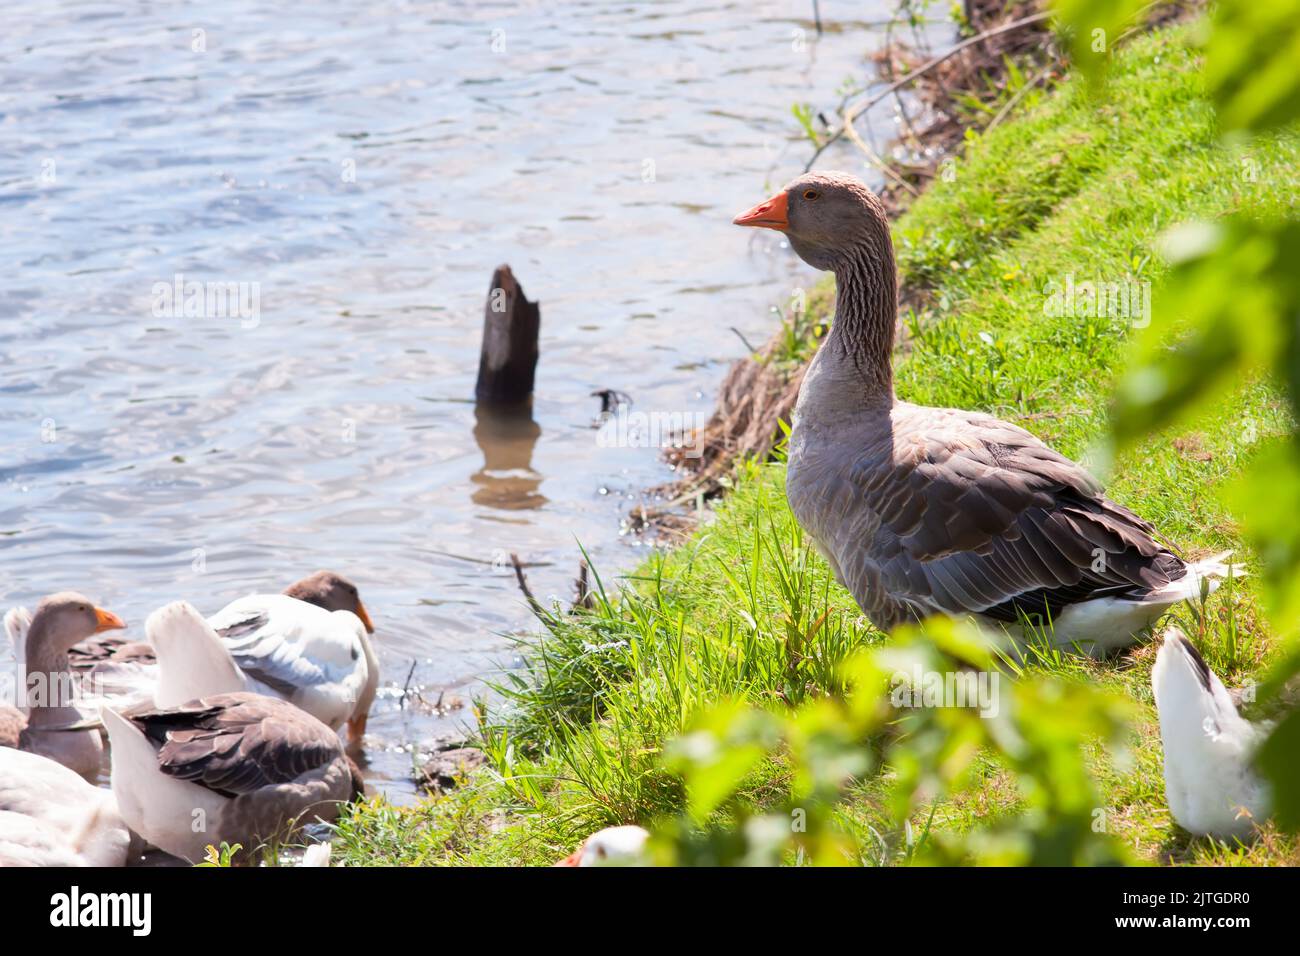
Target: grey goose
936,511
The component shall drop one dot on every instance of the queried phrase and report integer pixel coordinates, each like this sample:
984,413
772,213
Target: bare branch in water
584,598
528,593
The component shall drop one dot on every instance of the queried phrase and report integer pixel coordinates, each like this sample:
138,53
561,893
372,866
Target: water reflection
507,437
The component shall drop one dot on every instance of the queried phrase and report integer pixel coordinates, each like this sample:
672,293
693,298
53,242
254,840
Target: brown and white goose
924,511
309,645
51,704
232,768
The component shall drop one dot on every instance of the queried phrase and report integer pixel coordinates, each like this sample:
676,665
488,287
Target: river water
358,170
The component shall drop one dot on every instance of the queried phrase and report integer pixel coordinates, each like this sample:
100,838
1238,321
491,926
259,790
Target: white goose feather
1210,784
50,816
321,661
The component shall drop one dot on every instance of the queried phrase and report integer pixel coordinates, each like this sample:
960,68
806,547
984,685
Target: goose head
833,220
333,592
62,620
612,846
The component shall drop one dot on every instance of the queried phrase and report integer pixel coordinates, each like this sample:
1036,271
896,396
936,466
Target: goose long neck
866,310
41,656
47,681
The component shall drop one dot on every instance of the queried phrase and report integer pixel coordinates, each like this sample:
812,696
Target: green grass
745,610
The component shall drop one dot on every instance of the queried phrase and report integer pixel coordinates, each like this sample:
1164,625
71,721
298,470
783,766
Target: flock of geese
224,729
219,730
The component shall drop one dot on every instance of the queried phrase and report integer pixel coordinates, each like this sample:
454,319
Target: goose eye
810,194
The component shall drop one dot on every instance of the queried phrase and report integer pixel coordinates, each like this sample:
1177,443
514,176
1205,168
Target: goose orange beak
572,859
772,214
365,618
107,620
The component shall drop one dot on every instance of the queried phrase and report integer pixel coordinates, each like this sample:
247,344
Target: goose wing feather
108,649
235,744
978,515
284,643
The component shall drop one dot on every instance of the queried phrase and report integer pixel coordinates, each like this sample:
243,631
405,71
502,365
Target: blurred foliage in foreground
1235,289
1033,725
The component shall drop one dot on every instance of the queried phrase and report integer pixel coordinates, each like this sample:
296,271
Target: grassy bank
1070,190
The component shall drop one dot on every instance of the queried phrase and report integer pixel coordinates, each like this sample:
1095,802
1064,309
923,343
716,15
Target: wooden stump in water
508,361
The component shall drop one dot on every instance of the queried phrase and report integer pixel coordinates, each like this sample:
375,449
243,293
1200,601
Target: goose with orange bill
939,511
49,716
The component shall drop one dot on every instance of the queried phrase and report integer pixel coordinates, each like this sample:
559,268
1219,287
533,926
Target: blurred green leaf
1267,500
804,114
1251,63
1091,27
1033,724
1233,286
716,757
1277,758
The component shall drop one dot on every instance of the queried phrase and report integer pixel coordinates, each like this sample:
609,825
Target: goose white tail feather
1202,578
192,660
18,621
1099,626
1214,570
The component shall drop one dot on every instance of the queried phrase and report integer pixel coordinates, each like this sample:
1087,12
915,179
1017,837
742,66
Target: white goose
272,644
231,768
1210,784
923,511
612,846
50,816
